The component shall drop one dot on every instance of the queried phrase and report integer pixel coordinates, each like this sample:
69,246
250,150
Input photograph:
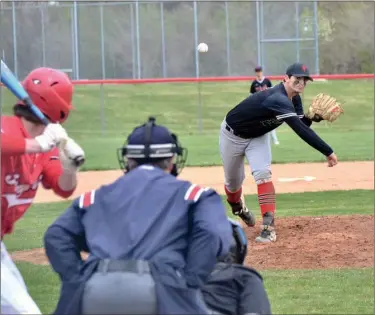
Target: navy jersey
266,110
146,214
234,289
261,85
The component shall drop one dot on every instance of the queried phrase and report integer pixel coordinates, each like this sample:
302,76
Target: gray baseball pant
234,149
120,292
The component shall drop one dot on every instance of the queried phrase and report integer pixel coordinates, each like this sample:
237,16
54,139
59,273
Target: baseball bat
11,82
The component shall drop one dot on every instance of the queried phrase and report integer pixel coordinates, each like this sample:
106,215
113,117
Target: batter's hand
51,137
332,160
72,155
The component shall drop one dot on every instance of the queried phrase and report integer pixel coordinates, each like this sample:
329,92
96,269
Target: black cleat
240,209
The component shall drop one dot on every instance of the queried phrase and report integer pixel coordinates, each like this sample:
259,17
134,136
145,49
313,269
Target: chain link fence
130,40
158,39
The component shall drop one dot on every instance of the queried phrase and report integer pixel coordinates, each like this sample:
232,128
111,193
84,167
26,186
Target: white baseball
202,47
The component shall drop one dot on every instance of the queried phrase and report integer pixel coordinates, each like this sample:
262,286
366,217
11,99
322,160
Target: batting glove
72,156
52,136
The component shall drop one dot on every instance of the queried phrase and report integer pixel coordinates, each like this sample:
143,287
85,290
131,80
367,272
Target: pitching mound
303,243
315,243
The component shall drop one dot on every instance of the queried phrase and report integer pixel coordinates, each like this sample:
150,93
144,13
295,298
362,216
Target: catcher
245,133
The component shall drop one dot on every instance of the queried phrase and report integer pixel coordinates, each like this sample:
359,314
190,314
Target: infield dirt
303,242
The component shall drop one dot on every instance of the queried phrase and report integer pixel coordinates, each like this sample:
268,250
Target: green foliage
346,37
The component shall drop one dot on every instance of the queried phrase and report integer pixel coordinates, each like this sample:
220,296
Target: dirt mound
303,243
316,243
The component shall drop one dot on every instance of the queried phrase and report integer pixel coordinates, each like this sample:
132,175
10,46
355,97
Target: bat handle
78,161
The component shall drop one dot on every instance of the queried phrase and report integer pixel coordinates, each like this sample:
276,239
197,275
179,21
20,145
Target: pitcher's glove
324,107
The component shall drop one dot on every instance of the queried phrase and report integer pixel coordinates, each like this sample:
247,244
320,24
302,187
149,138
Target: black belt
227,127
136,266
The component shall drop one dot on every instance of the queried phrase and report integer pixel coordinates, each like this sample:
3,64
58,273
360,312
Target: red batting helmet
51,91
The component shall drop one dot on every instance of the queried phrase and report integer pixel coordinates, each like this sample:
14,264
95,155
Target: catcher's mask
150,143
238,249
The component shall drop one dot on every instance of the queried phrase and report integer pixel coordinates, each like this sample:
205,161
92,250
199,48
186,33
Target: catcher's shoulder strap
87,199
194,192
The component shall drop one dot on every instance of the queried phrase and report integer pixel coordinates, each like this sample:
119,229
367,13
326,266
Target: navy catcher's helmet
150,143
238,249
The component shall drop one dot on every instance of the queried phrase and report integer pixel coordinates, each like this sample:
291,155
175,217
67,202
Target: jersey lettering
13,180
270,122
14,199
261,88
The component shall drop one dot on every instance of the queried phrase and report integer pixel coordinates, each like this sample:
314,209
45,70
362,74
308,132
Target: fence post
316,35
102,40
43,35
197,67
258,35
102,114
132,37
15,59
163,39
296,4
137,37
74,67
228,36
76,45
261,32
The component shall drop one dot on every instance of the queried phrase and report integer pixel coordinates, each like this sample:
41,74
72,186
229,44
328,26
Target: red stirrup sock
266,198
233,197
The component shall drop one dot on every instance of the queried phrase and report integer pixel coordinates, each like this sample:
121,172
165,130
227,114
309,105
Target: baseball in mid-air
202,47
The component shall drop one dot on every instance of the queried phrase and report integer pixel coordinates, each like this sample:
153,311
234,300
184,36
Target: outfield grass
309,204
176,106
345,291
340,291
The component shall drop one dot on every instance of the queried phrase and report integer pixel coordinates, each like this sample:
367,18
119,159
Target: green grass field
176,106
346,291
334,291
331,291
313,204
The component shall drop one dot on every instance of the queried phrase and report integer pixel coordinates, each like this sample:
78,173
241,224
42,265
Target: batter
245,132
30,156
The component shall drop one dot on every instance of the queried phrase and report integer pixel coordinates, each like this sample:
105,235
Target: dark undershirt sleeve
308,135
